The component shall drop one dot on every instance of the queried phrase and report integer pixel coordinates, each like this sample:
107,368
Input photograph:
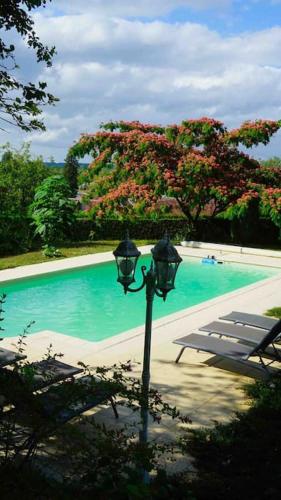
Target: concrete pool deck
203,386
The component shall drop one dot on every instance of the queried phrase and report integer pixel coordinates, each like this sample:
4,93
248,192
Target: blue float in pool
208,260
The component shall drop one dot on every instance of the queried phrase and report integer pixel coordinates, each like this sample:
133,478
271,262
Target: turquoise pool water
88,303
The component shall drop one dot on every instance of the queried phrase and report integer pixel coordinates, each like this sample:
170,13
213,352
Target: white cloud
114,68
48,136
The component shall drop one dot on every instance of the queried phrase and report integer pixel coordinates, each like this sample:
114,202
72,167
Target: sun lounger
70,399
255,320
51,371
35,416
8,357
246,333
228,349
60,403
41,374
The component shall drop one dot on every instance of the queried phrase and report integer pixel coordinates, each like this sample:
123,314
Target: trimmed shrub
16,233
209,229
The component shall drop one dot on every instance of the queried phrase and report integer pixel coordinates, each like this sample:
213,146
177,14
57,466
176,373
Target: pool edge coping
44,268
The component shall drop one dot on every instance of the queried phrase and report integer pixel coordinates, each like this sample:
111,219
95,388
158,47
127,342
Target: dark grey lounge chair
244,333
56,406
62,402
70,399
41,374
255,320
8,357
227,349
51,371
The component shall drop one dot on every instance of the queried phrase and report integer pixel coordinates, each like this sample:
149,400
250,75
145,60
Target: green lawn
72,250
275,312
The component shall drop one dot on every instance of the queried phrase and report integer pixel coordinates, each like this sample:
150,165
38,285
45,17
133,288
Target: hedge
16,234
138,229
213,230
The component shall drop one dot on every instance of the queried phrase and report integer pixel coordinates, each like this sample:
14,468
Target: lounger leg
114,407
276,352
264,366
179,356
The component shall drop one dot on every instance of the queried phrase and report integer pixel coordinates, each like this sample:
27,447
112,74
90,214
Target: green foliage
241,459
21,101
20,174
70,172
51,251
245,221
275,312
271,205
139,228
265,394
253,133
263,197
274,162
210,229
52,210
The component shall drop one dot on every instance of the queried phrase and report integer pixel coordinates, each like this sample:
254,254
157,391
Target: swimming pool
88,302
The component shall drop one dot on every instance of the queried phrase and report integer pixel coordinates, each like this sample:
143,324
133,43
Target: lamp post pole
159,280
150,292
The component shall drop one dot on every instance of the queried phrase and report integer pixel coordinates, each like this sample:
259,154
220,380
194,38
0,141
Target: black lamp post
159,280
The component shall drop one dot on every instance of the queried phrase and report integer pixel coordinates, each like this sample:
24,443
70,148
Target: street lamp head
126,255
166,262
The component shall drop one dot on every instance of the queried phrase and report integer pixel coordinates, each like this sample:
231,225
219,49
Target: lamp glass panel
126,269
166,272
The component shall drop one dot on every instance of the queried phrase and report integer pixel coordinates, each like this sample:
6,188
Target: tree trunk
192,224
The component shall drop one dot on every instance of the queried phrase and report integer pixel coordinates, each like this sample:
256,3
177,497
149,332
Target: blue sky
239,17
158,61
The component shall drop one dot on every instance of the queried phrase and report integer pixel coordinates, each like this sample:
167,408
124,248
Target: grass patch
69,250
275,312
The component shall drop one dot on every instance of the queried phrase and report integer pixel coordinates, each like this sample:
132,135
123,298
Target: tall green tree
52,210
70,172
20,101
20,174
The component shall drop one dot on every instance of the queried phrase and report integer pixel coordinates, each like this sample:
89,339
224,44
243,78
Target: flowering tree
197,162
